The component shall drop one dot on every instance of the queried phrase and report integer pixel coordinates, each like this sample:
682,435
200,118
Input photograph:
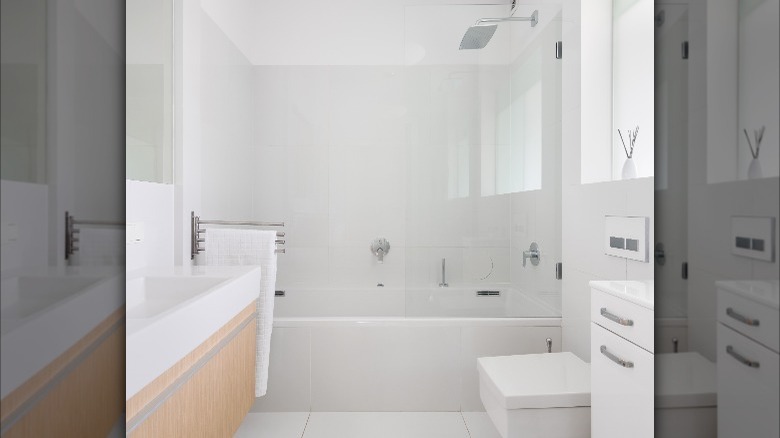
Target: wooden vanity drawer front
742,314
641,329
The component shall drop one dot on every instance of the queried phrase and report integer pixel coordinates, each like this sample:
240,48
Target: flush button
758,244
616,242
743,242
632,244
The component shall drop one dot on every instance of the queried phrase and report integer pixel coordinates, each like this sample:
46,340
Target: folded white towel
229,246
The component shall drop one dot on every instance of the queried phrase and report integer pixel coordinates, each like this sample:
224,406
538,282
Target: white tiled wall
388,367
25,222
586,128
150,204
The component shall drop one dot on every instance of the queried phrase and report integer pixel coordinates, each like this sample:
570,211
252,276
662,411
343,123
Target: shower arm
534,19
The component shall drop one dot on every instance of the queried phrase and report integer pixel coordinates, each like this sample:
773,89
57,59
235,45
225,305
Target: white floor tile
273,425
479,425
386,425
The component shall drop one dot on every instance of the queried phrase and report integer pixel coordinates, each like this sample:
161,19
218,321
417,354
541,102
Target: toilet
536,395
686,396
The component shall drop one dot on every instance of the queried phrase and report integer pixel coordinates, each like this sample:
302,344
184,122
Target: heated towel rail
197,243
71,232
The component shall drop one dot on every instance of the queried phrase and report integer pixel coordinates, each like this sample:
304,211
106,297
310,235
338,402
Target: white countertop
155,343
762,292
47,310
641,293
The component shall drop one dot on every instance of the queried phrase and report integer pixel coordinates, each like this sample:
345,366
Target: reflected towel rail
196,240
71,231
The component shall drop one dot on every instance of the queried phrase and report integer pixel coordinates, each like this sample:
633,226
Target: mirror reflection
149,91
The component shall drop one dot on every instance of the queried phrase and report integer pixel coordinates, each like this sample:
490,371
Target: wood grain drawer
636,322
754,320
622,398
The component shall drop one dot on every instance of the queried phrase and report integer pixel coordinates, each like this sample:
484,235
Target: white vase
754,170
629,169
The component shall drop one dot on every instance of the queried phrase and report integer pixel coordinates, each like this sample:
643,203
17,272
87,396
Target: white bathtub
396,350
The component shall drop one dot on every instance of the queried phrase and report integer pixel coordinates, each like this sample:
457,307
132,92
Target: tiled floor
367,425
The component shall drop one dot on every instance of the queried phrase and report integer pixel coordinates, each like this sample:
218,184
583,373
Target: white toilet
536,395
686,396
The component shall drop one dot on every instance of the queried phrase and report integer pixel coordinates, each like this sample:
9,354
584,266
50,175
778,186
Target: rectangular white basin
172,310
150,296
24,296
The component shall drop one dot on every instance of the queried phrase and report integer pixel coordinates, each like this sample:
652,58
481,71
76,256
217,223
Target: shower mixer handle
532,253
380,247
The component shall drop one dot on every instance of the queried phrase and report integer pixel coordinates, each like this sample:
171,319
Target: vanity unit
68,322
191,350
622,368
747,369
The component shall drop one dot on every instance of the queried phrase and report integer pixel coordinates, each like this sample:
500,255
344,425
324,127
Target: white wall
150,204
586,128
24,225
712,202
347,153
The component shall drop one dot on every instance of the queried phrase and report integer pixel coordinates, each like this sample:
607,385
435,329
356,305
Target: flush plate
627,237
754,237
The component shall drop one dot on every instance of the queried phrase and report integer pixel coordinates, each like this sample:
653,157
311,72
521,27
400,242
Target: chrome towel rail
71,238
196,232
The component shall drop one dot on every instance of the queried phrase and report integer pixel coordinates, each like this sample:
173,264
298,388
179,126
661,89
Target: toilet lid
550,380
684,380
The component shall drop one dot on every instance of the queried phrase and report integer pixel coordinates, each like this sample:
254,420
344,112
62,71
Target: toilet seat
548,380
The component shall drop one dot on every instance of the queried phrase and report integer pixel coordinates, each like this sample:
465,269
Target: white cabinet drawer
756,321
628,320
748,396
622,400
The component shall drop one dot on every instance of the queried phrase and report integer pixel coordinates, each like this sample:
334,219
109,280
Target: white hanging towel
231,246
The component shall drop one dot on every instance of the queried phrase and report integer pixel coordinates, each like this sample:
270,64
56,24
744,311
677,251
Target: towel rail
196,231
71,231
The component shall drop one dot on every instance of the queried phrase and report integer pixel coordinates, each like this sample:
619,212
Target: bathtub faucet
380,247
443,273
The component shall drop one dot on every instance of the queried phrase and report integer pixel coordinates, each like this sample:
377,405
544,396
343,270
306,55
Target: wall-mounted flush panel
753,237
134,232
627,237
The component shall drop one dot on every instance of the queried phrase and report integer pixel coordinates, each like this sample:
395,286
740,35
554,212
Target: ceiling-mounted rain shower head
478,35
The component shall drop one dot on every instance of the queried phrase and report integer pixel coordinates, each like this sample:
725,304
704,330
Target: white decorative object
629,169
754,170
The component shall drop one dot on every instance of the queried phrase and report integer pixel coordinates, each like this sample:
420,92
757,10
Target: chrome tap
380,247
443,273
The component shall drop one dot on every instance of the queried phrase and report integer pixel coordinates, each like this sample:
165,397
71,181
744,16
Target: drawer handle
741,318
741,358
622,362
617,319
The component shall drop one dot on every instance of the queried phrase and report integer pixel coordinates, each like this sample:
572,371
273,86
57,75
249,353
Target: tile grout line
306,424
468,432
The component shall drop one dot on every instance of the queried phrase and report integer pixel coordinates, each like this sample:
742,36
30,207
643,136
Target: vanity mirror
149,91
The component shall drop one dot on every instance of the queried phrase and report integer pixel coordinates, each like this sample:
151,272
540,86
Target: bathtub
389,349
